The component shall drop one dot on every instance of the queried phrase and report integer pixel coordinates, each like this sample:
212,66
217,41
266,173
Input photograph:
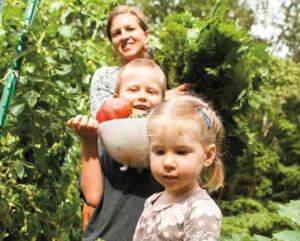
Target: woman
128,32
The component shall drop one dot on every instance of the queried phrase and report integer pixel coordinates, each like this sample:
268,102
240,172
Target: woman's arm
91,172
87,213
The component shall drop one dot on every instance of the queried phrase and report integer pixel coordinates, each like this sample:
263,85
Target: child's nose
169,163
142,95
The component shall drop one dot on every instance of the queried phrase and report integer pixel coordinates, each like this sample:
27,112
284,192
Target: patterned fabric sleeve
203,223
102,86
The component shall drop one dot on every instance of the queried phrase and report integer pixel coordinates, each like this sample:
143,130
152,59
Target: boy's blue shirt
125,192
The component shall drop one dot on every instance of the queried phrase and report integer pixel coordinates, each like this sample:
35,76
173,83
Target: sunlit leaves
291,211
38,154
287,236
17,109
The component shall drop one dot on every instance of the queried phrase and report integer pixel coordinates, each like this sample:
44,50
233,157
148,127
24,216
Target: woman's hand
182,89
85,127
87,212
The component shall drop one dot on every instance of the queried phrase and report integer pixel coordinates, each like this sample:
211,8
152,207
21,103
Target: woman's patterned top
102,86
196,218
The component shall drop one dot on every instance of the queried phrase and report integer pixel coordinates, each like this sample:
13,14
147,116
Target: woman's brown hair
138,13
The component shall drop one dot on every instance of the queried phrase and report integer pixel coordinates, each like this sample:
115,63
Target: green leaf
17,109
287,235
63,54
236,237
32,97
55,6
50,60
64,16
260,238
64,69
291,211
29,68
65,31
19,168
60,84
3,210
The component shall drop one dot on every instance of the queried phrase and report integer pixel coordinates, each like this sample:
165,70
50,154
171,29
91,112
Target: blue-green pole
13,75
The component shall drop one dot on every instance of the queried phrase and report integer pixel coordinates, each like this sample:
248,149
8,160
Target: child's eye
152,91
132,89
182,152
159,152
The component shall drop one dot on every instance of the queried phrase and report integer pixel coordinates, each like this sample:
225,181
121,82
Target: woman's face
128,37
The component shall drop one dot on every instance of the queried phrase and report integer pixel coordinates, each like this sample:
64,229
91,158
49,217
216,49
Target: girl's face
128,38
177,158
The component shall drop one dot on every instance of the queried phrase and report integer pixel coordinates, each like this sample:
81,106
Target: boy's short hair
143,62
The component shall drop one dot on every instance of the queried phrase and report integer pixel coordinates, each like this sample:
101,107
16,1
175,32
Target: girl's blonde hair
138,13
199,118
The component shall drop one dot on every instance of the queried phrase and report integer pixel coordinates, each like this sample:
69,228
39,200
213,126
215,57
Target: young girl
185,136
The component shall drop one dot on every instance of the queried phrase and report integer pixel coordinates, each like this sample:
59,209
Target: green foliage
287,236
213,54
284,225
158,10
291,211
272,128
39,168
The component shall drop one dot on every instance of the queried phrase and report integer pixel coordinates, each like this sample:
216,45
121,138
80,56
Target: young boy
119,196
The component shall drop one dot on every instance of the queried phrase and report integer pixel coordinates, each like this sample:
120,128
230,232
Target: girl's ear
115,95
210,152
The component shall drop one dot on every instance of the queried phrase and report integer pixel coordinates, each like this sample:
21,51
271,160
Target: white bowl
126,141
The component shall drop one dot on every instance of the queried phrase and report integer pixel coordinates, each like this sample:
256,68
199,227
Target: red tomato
114,108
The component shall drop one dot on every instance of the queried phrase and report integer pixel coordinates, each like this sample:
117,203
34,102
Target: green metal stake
13,75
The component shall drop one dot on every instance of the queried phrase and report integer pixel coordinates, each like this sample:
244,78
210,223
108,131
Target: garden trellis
14,72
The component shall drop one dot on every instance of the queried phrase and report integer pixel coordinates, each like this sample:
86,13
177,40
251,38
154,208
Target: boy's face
141,88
